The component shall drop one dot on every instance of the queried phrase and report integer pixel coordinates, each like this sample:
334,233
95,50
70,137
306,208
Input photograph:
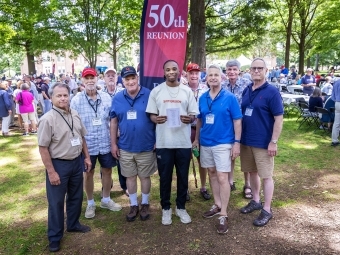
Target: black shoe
263,218
134,210
81,229
54,246
252,206
205,194
187,198
232,186
335,144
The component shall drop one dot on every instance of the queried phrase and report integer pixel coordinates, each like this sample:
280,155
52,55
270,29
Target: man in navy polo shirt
135,148
262,111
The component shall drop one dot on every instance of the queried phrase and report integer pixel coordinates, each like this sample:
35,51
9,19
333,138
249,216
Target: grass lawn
305,204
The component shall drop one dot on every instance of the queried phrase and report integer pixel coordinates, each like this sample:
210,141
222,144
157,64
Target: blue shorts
105,160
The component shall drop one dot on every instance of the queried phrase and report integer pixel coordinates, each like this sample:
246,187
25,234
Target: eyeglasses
256,68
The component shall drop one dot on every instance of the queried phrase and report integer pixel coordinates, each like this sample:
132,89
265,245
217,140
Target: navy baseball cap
128,70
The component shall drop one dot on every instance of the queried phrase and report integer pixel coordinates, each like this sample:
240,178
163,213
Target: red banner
163,37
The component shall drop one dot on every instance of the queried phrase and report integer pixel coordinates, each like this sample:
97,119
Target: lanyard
212,101
71,127
251,98
133,100
96,103
196,92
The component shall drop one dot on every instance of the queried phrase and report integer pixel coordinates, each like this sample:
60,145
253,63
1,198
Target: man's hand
186,119
272,149
235,151
161,119
54,178
195,144
88,164
115,151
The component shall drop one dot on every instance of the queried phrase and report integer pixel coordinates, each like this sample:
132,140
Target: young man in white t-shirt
172,106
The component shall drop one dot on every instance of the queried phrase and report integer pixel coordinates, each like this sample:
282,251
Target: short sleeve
152,105
44,132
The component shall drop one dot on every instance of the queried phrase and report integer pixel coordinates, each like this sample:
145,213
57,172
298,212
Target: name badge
75,141
209,119
131,115
96,121
249,111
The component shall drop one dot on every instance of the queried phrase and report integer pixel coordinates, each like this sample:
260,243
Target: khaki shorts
141,164
216,156
256,160
28,116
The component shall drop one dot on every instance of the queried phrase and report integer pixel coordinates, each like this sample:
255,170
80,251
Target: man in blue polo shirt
135,148
262,111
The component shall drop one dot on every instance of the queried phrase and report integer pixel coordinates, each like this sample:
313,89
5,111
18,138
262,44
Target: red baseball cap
89,71
193,67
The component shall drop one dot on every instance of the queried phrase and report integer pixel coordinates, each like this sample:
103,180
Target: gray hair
261,59
60,85
215,67
233,62
24,86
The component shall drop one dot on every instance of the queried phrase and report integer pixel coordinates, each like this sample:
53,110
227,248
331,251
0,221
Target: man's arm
87,160
113,135
196,143
44,95
235,152
272,147
53,176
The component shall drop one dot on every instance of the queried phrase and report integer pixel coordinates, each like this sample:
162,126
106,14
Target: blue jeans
166,160
48,105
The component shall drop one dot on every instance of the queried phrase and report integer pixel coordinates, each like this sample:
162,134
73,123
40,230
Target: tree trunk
114,50
188,51
197,16
289,33
30,59
317,56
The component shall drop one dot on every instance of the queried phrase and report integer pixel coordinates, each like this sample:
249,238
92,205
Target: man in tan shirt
62,148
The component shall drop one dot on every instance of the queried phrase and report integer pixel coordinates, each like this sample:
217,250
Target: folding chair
322,111
305,114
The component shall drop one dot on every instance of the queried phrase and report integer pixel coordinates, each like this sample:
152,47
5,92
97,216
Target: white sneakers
90,211
181,213
166,217
111,206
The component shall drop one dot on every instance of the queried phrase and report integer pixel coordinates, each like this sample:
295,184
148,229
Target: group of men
146,131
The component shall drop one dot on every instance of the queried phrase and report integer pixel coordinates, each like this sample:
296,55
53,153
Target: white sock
90,202
133,199
105,199
145,198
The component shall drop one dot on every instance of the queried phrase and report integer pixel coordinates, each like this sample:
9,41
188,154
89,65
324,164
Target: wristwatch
274,141
237,141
